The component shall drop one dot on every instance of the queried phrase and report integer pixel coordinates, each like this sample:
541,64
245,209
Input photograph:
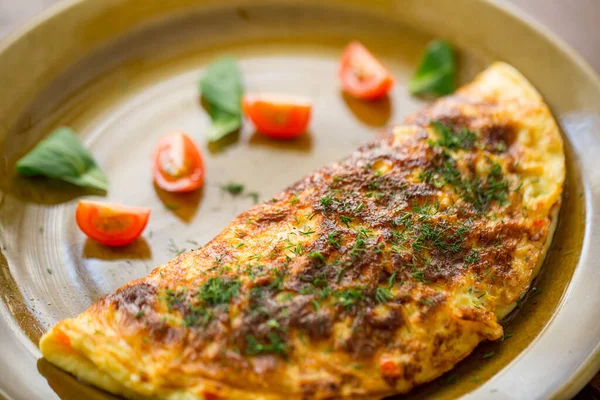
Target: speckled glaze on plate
124,72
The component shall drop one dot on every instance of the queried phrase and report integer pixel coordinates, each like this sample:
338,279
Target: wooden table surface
575,21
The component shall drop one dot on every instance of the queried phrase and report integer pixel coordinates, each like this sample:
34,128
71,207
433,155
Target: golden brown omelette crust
366,278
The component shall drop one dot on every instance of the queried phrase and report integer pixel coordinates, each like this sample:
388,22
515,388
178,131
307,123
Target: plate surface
123,73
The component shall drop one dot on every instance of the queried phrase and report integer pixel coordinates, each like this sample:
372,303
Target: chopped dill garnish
173,298
477,191
277,279
197,316
359,247
326,201
173,248
316,305
392,280
273,344
383,294
233,188
472,257
331,238
349,297
419,275
364,233
453,140
450,380
255,196
311,215
218,291
307,231
255,257
316,256
426,302
273,323
345,220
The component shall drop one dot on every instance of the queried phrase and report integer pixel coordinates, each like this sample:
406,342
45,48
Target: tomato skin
362,75
178,165
389,368
111,224
277,116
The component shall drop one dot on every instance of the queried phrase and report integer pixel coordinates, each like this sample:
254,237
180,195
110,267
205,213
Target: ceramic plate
122,73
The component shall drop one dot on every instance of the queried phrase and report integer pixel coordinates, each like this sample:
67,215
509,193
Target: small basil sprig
62,156
436,72
222,89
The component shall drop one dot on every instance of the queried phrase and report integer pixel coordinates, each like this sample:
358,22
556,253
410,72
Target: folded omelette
366,278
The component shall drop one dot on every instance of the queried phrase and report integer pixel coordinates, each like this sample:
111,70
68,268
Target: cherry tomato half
277,116
362,74
111,224
178,165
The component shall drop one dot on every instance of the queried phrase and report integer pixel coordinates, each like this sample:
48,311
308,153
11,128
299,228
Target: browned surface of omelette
364,279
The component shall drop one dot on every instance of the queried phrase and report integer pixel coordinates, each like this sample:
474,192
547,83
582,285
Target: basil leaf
436,72
62,156
222,89
223,123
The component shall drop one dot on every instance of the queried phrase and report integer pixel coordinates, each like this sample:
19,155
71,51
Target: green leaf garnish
453,140
222,89
316,256
349,297
62,156
234,188
218,291
436,72
272,344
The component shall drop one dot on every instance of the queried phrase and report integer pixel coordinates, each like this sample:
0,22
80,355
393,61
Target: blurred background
576,21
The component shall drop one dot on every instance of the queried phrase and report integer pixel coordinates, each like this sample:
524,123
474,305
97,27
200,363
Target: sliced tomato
178,165
111,224
278,116
362,75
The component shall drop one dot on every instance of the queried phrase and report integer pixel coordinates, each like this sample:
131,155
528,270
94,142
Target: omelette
367,278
